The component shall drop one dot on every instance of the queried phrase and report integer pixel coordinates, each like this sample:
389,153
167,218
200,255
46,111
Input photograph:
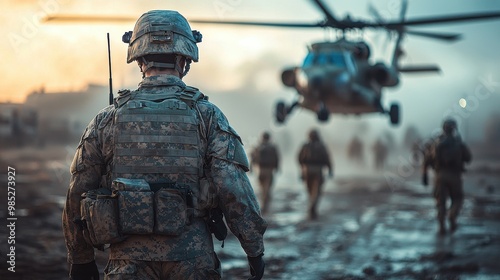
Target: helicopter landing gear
282,111
323,114
394,113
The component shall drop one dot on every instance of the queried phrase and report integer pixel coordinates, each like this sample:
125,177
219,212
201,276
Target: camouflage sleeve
86,170
239,205
223,141
236,197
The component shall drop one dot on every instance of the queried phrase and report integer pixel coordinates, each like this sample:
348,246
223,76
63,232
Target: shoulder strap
124,95
189,95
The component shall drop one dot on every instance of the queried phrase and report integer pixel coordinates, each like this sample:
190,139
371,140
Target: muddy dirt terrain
369,227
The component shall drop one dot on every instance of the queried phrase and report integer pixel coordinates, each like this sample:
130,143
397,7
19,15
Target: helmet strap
150,64
178,63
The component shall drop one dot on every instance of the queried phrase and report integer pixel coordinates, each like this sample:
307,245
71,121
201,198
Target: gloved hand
425,179
256,267
86,271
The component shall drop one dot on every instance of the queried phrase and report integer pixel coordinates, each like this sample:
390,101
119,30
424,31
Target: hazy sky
248,60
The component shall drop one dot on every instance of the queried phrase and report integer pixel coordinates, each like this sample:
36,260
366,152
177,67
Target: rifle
110,78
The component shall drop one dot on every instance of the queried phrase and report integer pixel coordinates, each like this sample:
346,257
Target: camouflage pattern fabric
206,267
161,32
227,163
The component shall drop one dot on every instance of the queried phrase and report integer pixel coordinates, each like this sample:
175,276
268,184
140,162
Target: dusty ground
370,227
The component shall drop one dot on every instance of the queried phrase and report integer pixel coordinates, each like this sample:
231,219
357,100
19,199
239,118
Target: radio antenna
110,76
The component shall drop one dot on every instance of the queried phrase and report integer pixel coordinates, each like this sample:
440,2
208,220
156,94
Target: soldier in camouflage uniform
266,157
169,138
447,154
313,158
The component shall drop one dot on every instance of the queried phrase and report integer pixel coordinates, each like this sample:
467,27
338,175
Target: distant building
51,117
17,123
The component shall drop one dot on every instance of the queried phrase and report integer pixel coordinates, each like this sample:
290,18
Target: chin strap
177,66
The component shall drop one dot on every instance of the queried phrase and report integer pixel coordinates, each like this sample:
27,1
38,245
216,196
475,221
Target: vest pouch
99,212
170,211
135,205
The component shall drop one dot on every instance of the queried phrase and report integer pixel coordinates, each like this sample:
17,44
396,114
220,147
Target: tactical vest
156,138
157,162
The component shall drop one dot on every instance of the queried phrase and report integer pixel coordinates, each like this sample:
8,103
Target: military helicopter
336,77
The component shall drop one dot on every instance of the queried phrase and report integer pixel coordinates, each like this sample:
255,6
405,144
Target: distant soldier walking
380,152
447,154
266,157
313,158
355,150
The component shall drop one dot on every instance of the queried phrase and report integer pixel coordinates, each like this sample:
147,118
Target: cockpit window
338,59
308,61
331,58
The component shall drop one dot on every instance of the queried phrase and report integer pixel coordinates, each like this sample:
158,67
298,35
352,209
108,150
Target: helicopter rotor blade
379,19
451,37
434,20
374,12
419,68
329,15
86,19
404,8
272,24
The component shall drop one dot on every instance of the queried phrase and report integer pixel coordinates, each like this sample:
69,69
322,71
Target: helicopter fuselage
337,78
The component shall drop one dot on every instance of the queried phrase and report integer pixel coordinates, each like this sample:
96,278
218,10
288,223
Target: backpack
448,153
314,153
266,156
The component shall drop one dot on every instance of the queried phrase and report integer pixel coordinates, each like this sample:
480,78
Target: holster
216,224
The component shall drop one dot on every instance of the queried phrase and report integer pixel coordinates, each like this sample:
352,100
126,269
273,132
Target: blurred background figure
313,158
380,152
447,154
266,158
355,150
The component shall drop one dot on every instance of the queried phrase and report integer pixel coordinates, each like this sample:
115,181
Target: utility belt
132,206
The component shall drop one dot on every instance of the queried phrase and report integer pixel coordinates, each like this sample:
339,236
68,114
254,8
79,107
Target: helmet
313,135
266,136
162,32
449,125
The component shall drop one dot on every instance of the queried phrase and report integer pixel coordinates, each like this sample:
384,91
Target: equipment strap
156,169
159,28
155,152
